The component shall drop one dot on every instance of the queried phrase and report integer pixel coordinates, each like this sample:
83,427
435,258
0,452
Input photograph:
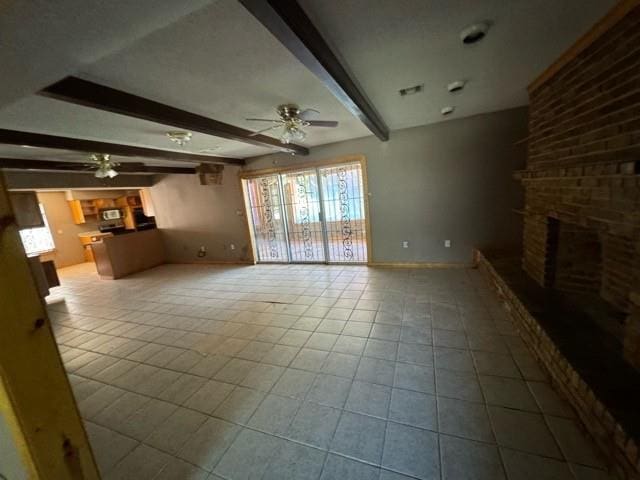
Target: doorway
309,215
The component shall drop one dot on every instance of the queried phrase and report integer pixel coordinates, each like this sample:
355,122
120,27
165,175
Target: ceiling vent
474,33
457,86
411,90
447,110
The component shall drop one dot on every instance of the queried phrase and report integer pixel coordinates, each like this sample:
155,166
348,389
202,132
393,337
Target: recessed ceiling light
456,86
27,146
411,90
474,33
447,110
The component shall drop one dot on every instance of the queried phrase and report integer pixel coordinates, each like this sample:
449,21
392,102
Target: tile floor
309,372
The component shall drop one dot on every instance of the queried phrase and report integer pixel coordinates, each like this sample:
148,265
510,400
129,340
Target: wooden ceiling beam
31,164
89,94
289,23
13,137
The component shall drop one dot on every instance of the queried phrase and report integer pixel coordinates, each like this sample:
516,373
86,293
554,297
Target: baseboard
420,264
215,262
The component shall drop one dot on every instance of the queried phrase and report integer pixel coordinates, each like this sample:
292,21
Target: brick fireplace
582,182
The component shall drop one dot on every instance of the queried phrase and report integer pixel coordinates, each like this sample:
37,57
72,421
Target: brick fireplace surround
582,219
583,165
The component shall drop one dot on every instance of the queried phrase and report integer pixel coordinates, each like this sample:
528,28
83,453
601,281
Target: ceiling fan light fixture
292,133
105,166
181,138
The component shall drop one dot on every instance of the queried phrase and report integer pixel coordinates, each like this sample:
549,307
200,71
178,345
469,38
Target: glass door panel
265,203
342,192
303,218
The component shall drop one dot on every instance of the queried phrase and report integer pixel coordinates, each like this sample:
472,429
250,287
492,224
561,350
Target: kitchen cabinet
26,208
127,203
147,203
83,210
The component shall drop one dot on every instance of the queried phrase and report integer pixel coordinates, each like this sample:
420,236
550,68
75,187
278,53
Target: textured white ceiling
215,59
44,115
42,41
18,152
389,45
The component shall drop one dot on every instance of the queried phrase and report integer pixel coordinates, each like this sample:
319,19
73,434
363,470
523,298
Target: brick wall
583,165
578,257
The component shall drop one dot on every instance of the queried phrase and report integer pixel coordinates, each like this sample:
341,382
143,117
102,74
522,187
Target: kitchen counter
87,238
117,256
94,233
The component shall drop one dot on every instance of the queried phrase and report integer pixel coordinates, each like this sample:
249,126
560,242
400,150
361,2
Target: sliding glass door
344,218
265,204
315,215
301,197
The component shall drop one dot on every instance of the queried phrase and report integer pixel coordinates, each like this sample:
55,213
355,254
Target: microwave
111,214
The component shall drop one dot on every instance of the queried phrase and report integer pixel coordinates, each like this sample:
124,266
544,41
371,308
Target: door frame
353,158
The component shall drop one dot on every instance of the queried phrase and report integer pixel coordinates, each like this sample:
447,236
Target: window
39,239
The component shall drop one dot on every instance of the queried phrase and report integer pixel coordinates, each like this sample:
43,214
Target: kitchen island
121,255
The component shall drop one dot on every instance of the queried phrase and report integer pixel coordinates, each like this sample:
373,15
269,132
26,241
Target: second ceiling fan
292,121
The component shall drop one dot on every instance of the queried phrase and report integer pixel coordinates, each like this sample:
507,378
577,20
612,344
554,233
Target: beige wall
447,181
65,232
193,215
450,180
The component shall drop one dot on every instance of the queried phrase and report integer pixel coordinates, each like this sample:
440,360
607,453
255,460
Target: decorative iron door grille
265,203
302,211
344,213
311,216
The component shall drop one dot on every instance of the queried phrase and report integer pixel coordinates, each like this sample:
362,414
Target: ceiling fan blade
308,113
322,123
262,120
263,130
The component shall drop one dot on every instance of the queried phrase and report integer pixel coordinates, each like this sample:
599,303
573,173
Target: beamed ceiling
220,60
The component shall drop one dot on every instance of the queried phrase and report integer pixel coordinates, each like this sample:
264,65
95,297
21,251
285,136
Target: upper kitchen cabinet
26,209
83,210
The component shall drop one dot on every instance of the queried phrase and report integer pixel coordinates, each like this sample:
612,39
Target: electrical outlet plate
447,243
405,244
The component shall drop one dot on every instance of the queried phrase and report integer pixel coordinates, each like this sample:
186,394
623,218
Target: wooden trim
352,158
367,194
613,16
14,137
344,159
421,264
289,23
248,223
53,165
35,389
88,94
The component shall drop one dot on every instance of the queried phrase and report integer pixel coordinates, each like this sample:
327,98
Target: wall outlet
202,251
447,244
232,246
405,244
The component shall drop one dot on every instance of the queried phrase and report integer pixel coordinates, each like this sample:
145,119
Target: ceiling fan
105,167
292,121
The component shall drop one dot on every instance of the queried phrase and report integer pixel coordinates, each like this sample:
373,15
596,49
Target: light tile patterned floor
309,372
